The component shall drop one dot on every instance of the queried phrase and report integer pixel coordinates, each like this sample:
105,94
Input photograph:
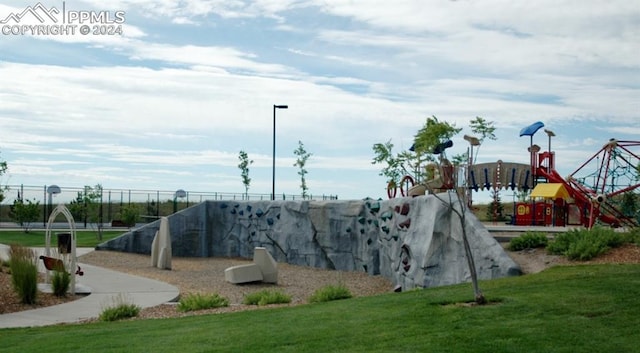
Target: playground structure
605,189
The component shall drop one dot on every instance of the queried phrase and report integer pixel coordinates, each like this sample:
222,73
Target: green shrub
60,283
121,309
585,244
266,297
329,293
192,302
560,244
633,236
24,273
130,214
529,240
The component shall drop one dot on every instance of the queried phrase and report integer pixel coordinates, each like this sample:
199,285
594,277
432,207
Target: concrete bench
264,268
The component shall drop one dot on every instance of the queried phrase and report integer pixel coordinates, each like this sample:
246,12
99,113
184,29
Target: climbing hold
405,209
405,224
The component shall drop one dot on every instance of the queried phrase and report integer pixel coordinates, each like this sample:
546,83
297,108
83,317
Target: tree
129,214
433,133
303,156
3,170
399,165
495,210
244,164
426,140
483,129
25,212
394,168
88,207
461,213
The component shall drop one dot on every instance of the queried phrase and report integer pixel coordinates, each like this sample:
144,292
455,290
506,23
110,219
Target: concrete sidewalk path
106,286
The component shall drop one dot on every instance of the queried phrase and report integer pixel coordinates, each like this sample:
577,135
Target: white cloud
191,83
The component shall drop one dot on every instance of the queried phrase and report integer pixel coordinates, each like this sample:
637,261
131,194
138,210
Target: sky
169,98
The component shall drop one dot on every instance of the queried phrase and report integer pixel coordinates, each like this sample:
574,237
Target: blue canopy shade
531,129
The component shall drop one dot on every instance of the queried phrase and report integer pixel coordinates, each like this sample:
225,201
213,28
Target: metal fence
153,203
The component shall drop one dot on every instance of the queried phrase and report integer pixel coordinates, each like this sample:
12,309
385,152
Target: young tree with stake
301,162
244,164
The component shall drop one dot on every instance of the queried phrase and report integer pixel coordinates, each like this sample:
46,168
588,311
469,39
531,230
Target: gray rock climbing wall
415,242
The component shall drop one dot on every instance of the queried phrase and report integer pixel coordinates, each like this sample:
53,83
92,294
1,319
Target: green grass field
590,308
35,238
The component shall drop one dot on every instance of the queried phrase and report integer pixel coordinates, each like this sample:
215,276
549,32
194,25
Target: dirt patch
10,302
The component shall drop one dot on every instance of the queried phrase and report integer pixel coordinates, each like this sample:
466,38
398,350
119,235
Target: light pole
473,141
550,134
273,175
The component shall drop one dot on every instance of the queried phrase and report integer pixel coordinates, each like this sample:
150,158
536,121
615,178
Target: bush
130,214
192,302
25,213
584,244
60,283
633,236
121,309
529,240
266,297
24,273
329,293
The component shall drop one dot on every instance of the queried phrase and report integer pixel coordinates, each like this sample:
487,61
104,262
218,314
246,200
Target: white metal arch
62,209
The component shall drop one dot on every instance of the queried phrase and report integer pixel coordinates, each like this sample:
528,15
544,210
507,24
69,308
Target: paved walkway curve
106,285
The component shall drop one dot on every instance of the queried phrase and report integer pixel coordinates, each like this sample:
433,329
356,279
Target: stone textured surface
161,246
415,242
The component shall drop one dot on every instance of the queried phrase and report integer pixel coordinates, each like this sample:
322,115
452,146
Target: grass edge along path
37,238
586,308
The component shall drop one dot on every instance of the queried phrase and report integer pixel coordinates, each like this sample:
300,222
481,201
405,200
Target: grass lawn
84,238
591,308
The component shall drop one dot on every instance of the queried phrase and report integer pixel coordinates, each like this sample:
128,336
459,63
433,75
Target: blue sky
170,102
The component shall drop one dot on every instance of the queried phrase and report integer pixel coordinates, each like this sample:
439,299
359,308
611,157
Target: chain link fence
151,204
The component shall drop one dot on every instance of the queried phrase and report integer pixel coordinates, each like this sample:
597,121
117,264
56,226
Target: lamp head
474,141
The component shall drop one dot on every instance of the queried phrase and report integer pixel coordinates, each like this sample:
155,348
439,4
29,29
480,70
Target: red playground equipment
598,191
605,189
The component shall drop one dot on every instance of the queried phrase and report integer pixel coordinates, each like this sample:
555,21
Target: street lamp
273,176
473,141
550,134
